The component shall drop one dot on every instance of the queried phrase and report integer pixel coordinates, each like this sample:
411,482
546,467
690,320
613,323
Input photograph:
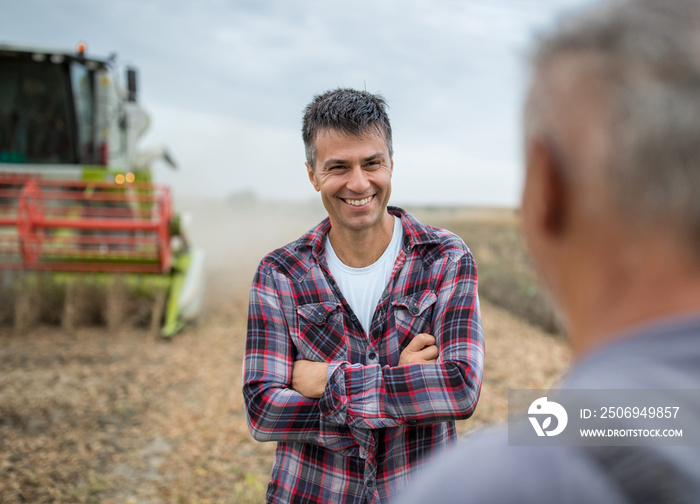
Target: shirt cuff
334,401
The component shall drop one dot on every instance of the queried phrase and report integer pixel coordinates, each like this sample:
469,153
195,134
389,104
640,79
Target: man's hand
421,350
309,378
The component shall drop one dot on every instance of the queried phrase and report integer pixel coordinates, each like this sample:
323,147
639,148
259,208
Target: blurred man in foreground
611,215
364,336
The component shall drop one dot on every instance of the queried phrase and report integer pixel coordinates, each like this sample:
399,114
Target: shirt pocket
413,314
321,334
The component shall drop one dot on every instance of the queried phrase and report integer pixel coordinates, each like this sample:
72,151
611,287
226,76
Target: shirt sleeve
274,411
372,396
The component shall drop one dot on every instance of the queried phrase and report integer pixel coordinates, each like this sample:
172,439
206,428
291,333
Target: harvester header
61,225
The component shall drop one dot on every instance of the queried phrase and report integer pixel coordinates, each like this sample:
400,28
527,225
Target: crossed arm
309,377
298,400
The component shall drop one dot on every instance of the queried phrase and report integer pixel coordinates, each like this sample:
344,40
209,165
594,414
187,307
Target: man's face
353,175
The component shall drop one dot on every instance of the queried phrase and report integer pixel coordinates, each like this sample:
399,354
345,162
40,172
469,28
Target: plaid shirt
376,421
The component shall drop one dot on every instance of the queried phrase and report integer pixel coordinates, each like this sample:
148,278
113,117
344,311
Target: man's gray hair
649,52
348,111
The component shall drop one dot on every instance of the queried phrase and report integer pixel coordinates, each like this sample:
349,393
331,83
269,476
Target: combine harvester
85,235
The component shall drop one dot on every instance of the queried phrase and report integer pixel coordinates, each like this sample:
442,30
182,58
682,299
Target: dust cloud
236,233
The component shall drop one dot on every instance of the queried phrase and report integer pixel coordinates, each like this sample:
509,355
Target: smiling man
364,336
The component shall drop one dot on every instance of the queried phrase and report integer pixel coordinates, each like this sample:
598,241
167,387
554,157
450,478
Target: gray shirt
484,469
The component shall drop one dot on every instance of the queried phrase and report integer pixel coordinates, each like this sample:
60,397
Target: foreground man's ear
547,188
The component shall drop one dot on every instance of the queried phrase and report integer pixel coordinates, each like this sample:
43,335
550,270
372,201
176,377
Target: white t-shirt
362,287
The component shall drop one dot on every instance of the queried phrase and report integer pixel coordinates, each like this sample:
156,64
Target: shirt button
370,483
414,310
320,319
353,318
372,356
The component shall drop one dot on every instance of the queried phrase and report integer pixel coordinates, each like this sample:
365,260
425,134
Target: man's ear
548,188
312,177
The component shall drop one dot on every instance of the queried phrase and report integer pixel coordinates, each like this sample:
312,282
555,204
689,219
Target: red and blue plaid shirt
376,421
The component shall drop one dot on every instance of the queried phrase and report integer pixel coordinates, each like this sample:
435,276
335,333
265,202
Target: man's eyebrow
367,159
378,155
329,162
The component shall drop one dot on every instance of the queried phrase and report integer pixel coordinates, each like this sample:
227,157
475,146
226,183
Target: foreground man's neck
667,287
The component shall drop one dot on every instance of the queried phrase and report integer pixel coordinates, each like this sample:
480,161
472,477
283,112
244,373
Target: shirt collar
415,234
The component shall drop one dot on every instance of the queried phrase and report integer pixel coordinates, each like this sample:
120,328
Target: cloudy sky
225,83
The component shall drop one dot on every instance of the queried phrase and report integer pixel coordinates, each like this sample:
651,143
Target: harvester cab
85,234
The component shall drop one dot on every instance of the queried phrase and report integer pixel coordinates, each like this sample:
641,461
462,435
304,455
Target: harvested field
129,418
506,276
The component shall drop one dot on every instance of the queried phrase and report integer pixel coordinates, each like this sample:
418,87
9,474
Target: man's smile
358,202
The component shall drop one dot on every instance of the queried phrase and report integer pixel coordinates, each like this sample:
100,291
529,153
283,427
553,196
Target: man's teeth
359,202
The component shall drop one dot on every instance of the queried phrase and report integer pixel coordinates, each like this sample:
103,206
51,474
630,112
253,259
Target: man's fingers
420,350
428,339
420,341
429,353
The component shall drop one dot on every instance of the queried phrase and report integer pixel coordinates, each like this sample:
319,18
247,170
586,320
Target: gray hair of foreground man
348,111
641,61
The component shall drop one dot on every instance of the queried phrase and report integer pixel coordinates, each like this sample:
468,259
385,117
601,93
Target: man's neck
362,248
625,299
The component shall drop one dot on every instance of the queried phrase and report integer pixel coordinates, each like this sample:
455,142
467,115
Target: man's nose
358,182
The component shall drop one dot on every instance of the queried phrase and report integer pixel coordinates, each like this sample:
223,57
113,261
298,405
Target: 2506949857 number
637,412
